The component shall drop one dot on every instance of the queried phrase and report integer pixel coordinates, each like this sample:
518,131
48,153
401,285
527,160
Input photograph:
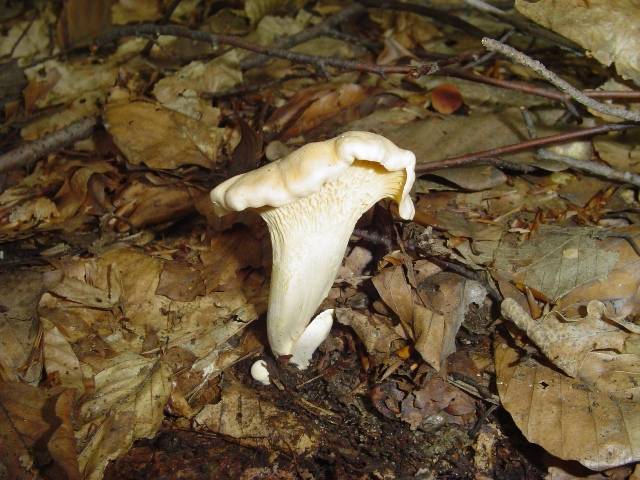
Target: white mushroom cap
306,170
311,201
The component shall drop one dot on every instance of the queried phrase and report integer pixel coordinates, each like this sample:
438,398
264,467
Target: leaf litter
128,309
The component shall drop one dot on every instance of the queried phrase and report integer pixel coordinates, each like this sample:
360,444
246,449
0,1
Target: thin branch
540,69
519,147
31,151
592,167
179,31
166,16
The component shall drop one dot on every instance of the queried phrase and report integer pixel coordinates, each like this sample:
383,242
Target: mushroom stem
304,271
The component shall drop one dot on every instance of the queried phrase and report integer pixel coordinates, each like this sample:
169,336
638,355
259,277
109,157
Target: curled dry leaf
569,418
241,414
395,291
376,332
142,204
313,106
449,297
161,138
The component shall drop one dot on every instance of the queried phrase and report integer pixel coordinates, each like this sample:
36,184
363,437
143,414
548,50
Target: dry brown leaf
613,34
182,90
142,204
312,106
567,343
241,414
567,417
199,326
19,293
436,325
556,260
395,291
127,404
376,332
161,138
128,11
60,362
256,9
34,419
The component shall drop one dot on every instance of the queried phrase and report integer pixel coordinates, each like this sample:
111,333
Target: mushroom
311,200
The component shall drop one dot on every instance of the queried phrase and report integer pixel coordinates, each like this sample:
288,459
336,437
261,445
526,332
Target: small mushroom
311,200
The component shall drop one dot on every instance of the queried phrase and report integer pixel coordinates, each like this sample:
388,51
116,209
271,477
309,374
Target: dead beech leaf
395,291
36,419
556,260
376,332
19,293
161,138
127,11
60,362
255,10
181,281
446,98
182,90
567,417
127,404
313,106
567,343
613,38
141,204
241,414
436,325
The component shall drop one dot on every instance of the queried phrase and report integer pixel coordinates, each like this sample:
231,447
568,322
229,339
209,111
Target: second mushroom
311,200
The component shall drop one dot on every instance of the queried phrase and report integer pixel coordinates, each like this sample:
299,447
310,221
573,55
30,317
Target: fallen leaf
436,325
242,415
395,291
613,40
127,404
567,417
161,138
376,332
36,420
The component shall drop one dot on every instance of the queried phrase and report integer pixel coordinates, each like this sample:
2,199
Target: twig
318,61
31,151
307,34
540,69
592,167
519,147
166,16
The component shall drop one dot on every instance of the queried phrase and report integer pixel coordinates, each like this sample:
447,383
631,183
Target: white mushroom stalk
311,201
